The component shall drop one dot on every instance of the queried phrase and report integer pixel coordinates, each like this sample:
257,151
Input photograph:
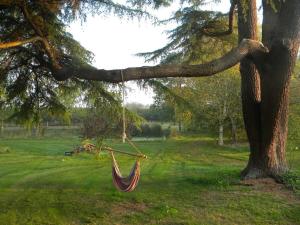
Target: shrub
98,126
133,130
146,130
291,180
167,132
156,130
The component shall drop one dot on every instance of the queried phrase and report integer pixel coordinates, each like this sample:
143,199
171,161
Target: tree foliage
206,102
27,81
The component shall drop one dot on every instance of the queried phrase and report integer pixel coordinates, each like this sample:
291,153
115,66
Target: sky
115,42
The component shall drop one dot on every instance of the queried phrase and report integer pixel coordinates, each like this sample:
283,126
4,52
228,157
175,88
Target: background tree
218,100
159,111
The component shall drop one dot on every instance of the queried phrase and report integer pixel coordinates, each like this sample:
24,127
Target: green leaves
197,100
189,41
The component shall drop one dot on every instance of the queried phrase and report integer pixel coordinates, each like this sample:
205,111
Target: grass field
185,181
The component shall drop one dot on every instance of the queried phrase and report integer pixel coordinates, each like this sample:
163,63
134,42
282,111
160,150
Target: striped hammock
125,184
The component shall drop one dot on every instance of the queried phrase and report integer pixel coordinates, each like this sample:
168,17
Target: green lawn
184,181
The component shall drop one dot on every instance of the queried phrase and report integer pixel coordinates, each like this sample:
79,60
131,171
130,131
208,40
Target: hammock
126,184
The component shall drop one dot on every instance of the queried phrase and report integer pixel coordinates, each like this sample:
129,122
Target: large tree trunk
250,89
283,40
265,94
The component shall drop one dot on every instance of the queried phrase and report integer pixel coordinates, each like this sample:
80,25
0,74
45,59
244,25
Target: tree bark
19,42
265,94
246,47
283,40
250,89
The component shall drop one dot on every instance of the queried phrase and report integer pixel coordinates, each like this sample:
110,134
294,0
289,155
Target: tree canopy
37,52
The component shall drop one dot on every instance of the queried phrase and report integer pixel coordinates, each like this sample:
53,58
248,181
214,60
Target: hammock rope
124,136
129,183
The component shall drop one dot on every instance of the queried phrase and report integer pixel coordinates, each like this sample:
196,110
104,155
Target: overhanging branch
49,49
246,48
230,23
19,42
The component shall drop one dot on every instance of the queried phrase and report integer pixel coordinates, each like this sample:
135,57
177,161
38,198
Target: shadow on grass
183,183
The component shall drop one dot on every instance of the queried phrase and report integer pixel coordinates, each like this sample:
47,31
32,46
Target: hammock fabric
125,184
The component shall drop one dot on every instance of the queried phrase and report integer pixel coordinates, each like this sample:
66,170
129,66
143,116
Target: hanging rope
124,135
130,182
123,109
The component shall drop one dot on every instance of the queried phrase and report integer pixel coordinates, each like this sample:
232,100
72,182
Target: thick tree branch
29,20
9,2
49,50
19,42
246,48
230,23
